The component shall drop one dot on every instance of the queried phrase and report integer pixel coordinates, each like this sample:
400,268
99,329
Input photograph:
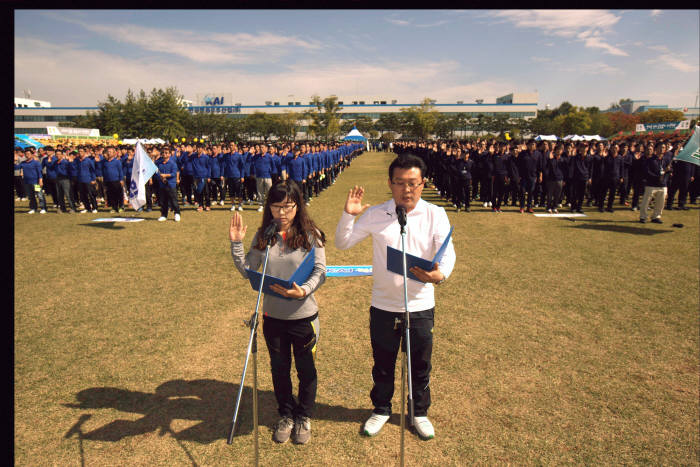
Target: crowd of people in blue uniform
82,178
549,175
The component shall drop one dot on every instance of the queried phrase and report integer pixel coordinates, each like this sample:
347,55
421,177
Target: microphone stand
406,354
252,348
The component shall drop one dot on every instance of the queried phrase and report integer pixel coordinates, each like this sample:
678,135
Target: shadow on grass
103,225
209,403
619,228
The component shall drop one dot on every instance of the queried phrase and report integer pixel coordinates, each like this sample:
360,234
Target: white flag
142,171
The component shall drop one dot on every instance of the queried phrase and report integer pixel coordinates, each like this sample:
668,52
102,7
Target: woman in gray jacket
290,324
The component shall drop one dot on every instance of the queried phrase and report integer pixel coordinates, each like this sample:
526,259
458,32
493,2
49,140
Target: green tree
573,122
419,121
445,126
660,116
324,117
261,124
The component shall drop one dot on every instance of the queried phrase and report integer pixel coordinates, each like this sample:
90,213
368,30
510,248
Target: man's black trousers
284,337
386,336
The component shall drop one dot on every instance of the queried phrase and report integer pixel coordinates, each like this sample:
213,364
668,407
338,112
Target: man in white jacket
427,227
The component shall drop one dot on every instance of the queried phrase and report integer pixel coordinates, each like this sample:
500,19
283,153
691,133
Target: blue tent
354,135
24,141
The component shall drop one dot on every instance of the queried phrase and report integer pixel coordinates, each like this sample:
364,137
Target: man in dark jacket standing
580,177
657,171
530,171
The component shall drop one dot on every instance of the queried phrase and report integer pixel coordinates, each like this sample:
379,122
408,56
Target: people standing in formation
549,175
290,316
78,179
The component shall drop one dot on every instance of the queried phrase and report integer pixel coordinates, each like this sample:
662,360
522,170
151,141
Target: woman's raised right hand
237,229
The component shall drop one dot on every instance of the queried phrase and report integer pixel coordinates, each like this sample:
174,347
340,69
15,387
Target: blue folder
300,275
394,260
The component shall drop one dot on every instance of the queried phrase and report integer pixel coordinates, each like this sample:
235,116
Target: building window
290,103
383,102
362,102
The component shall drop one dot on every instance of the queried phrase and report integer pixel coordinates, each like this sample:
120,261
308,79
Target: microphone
271,230
401,214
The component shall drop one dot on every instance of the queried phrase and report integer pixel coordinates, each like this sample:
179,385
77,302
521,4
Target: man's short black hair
407,161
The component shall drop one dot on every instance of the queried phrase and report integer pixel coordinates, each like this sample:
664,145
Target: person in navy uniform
33,181
611,177
499,164
555,168
530,171
683,174
580,177
168,177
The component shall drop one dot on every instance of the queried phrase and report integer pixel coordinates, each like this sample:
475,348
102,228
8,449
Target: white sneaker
423,427
486,205
31,211
374,424
489,203
233,208
221,203
43,211
260,209
161,219
177,217
94,211
82,211
240,208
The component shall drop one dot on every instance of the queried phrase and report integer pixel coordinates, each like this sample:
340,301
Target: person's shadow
207,401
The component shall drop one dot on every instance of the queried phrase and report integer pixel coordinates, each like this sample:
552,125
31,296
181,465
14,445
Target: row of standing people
543,175
80,179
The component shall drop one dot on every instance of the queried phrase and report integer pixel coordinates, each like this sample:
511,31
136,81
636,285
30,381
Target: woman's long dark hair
302,226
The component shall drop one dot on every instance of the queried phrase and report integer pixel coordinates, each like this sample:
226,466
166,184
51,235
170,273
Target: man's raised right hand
353,204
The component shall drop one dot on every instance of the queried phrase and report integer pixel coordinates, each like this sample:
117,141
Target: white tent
355,135
546,138
593,137
573,138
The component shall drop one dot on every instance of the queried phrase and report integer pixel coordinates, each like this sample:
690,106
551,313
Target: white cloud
63,70
591,69
402,22
201,47
674,62
587,26
398,22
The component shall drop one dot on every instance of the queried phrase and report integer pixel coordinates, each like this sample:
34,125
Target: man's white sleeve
349,233
447,263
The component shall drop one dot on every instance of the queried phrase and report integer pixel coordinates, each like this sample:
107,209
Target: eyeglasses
285,208
410,185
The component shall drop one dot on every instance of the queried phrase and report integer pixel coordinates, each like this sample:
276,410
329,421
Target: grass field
556,342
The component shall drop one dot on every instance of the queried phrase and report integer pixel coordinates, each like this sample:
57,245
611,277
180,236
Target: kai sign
209,100
214,99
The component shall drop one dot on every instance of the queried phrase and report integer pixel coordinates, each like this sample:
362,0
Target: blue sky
586,57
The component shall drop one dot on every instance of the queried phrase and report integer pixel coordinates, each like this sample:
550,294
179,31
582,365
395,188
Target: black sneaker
657,221
642,221
283,430
302,430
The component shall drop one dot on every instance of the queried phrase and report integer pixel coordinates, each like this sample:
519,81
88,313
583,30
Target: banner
60,131
142,171
690,152
642,127
348,271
